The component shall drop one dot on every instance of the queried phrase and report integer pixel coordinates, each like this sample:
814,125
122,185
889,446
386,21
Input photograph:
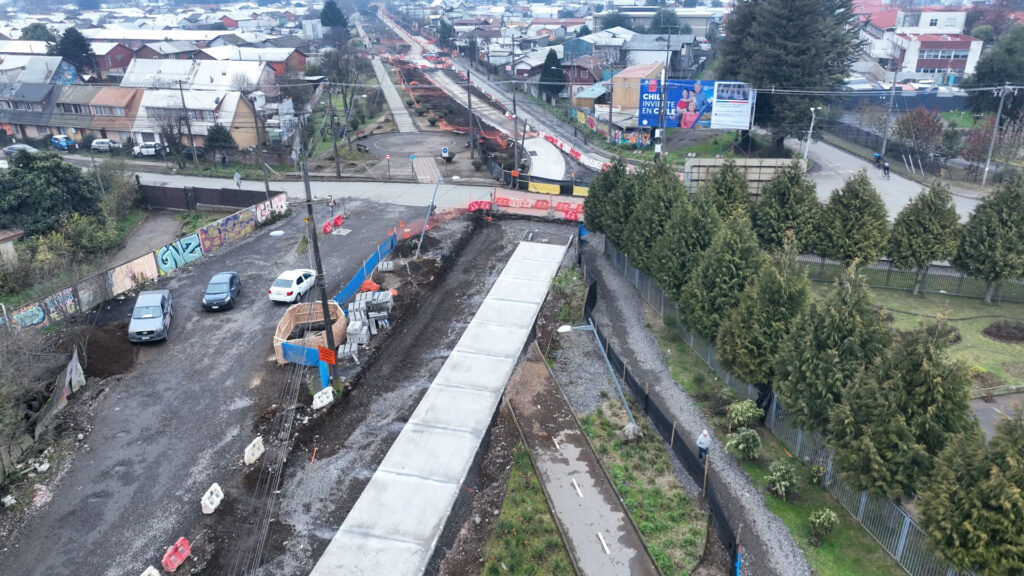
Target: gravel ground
767,545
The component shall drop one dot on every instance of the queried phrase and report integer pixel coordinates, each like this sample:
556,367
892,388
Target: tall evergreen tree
689,231
894,421
788,203
75,48
725,269
749,340
616,20
1000,65
600,205
926,230
829,345
796,44
853,224
973,504
992,245
663,22
658,189
39,32
331,16
552,78
727,189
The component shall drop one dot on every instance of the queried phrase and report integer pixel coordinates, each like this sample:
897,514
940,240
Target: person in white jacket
703,443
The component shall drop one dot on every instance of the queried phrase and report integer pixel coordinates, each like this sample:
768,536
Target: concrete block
42,467
212,498
387,266
373,327
254,450
323,398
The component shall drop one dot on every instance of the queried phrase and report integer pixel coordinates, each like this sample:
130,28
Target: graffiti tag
31,315
61,303
226,230
178,253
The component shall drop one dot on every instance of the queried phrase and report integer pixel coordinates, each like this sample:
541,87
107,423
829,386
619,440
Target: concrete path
544,161
426,169
584,502
402,118
157,229
995,409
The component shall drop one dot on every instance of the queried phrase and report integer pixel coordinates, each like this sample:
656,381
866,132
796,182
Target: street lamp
590,327
810,130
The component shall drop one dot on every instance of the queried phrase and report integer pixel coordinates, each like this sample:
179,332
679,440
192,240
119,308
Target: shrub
409,102
823,521
478,164
744,443
743,414
353,123
432,120
420,110
818,475
781,478
724,398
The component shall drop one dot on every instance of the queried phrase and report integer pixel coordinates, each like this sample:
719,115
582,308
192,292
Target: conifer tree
688,233
748,341
727,189
992,245
601,204
788,202
657,190
926,230
853,225
828,346
892,422
973,504
725,269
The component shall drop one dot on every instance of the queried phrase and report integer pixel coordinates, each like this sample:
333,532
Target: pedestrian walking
223,160
885,170
703,443
238,179
330,204
878,160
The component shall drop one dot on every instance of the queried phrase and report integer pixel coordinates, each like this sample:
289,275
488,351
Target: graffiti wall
60,304
178,253
131,274
92,291
31,315
228,229
274,207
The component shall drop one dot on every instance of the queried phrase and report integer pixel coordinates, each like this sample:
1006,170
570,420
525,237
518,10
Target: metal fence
939,279
190,197
887,523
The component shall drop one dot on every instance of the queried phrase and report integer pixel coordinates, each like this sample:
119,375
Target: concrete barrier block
254,450
212,498
323,398
150,572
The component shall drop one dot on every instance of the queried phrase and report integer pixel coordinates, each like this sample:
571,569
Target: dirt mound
1010,331
110,352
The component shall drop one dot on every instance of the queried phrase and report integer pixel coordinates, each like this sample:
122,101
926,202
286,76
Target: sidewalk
402,118
582,499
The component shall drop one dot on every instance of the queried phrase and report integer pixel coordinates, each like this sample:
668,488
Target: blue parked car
63,142
222,291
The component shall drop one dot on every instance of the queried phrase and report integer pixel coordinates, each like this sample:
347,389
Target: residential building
96,111
201,75
169,50
282,60
647,48
626,84
135,38
25,109
112,59
23,47
205,108
36,69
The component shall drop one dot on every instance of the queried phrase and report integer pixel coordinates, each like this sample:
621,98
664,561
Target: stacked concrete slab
394,526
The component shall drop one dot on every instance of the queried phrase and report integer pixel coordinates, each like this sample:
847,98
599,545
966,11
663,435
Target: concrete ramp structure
394,527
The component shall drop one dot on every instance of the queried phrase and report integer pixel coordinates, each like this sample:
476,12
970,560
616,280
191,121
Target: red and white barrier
176,555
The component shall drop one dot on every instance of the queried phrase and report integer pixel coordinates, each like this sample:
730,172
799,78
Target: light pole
809,131
427,219
590,327
259,144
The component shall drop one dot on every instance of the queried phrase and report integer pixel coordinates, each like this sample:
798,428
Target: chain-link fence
887,523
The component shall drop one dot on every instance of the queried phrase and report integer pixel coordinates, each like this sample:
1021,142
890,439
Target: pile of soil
1009,331
110,352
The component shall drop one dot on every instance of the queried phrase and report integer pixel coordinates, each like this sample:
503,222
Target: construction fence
883,519
93,290
191,198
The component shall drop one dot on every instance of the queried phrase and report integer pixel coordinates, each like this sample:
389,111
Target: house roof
558,22
249,54
196,74
77,94
883,18
939,37
658,42
153,35
171,47
222,104
36,93
640,70
114,96
22,47
102,48
592,91
28,68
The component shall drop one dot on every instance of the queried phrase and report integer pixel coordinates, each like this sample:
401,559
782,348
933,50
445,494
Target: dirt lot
157,436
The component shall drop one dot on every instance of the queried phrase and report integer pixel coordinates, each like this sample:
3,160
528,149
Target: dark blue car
222,291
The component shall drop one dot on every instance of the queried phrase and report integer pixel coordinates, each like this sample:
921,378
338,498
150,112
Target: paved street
402,118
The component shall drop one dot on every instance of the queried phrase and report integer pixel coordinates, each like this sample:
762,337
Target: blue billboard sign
697,104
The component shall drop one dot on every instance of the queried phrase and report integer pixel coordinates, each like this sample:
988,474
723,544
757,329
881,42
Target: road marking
340,231
555,440
577,486
603,543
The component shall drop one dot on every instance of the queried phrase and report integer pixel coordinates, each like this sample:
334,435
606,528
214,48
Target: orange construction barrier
328,227
338,220
176,555
369,286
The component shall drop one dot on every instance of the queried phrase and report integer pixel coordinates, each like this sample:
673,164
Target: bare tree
170,124
240,81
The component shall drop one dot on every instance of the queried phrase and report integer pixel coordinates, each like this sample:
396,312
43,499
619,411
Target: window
950,21
118,111
43,130
933,22
102,111
22,105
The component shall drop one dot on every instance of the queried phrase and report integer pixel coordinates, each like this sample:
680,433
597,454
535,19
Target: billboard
720,105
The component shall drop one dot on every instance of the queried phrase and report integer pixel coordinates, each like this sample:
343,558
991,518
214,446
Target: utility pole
259,144
888,113
995,131
188,123
611,100
334,136
472,128
515,115
311,231
663,100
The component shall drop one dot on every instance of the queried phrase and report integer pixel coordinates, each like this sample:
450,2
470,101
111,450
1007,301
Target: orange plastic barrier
176,555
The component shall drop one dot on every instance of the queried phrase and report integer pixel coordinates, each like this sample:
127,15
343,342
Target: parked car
13,149
63,142
148,149
151,317
292,285
222,291
186,152
105,145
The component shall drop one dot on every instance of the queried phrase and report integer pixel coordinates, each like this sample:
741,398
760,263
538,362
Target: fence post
771,418
661,308
903,538
863,503
799,440
672,437
888,273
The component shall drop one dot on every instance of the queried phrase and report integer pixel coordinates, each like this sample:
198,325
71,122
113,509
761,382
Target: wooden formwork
309,313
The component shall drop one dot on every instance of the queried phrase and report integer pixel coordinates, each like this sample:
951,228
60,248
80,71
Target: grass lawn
849,550
673,527
993,363
525,539
192,221
961,119
215,170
